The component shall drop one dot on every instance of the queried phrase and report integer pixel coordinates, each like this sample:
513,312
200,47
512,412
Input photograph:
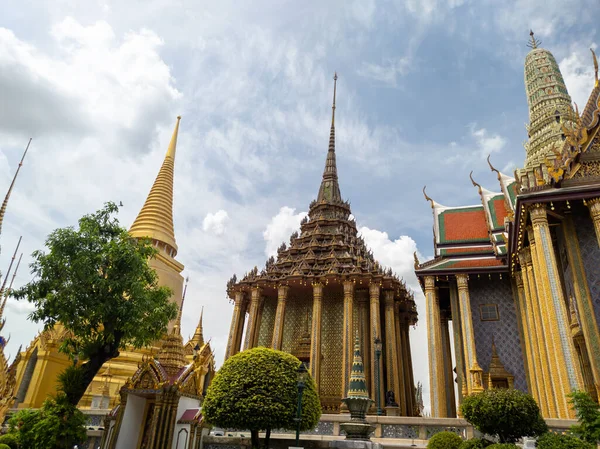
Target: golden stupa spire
12,184
172,354
155,220
198,338
4,297
595,67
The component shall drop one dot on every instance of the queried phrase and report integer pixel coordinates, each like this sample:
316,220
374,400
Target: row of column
399,377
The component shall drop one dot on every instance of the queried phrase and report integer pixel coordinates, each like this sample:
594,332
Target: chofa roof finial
595,66
428,198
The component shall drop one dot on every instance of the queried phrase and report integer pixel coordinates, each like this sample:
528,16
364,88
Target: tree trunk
267,438
255,440
89,370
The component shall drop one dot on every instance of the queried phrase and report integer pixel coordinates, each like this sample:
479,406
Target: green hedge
475,443
444,440
554,441
11,440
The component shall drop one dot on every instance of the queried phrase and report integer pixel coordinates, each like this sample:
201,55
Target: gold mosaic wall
294,322
267,322
332,344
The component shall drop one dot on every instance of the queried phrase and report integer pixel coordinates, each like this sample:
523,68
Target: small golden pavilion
517,274
323,289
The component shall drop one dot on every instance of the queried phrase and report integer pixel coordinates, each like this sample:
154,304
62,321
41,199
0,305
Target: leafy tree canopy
588,414
554,441
257,390
96,282
508,414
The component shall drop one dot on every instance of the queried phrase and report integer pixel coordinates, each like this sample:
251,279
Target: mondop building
518,273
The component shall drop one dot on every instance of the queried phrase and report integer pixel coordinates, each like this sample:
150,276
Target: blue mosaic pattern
460,431
400,431
505,332
590,253
95,420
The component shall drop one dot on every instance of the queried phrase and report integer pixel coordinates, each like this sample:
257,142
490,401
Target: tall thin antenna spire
7,292
333,106
533,42
2,298
595,66
12,184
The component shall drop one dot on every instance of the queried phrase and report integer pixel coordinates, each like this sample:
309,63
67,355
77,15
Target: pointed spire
595,67
177,326
329,191
533,42
155,220
12,184
3,298
357,386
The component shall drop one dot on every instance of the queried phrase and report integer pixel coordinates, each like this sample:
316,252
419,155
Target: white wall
184,404
132,422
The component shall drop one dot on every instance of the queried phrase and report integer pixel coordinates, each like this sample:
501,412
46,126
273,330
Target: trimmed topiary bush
444,440
4,446
503,446
554,441
506,413
475,443
11,440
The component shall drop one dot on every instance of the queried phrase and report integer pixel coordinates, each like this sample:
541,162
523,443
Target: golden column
257,323
364,329
251,328
282,293
594,207
537,306
315,340
374,292
434,340
348,337
391,345
583,296
233,343
527,328
401,397
474,371
563,370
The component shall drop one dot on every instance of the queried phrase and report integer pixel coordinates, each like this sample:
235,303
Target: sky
427,89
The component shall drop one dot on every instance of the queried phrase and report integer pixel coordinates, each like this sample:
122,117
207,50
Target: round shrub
554,441
4,446
506,413
11,440
503,446
444,440
475,443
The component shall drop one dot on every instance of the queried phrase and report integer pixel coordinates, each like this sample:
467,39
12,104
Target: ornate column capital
374,290
317,288
239,298
429,282
282,292
256,293
348,287
389,297
462,281
538,214
594,207
519,280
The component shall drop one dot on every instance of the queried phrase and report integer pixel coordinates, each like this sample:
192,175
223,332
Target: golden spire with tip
4,297
533,42
595,67
12,184
155,220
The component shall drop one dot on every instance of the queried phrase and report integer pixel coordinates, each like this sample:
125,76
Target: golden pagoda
328,272
517,274
41,362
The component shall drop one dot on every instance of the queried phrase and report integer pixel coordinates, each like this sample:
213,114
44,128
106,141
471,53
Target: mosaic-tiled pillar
391,345
282,293
374,292
534,297
458,342
436,359
474,371
583,296
251,327
241,323
401,396
364,327
233,345
257,324
526,334
315,340
594,207
563,369
348,337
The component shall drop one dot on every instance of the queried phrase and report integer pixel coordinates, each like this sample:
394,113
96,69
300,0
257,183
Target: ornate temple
517,274
323,289
39,365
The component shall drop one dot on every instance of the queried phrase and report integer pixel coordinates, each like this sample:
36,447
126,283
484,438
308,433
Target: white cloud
216,222
386,73
486,143
578,72
280,228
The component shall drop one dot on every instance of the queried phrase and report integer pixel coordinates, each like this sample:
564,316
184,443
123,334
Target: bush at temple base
503,446
11,440
475,443
588,415
5,446
258,390
508,414
444,440
554,441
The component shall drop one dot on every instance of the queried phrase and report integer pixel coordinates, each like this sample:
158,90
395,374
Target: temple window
489,312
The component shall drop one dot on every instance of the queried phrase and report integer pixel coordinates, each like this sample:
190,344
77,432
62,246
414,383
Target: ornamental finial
533,42
428,198
475,184
595,66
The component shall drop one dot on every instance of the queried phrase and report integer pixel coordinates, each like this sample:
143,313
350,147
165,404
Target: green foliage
588,414
503,446
444,440
56,425
96,282
11,440
508,414
554,441
4,446
257,390
475,443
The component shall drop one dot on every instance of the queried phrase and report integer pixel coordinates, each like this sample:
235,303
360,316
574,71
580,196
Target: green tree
444,440
554,441
58,424
588,414
508,414
10,439
97,283
257,390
